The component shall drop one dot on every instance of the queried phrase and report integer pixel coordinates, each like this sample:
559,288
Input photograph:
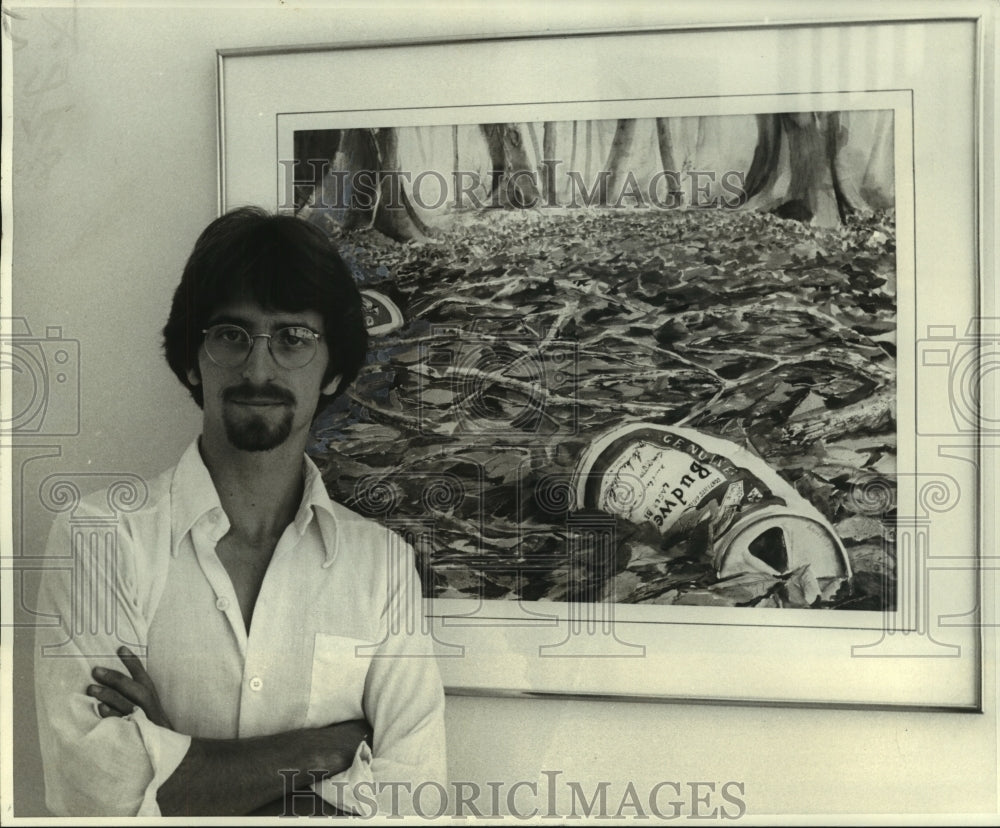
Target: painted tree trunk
763,170
668,163
367,188
812,192
619,160
548,163
878,182
394,213
512,173
314,151
573,150
799,170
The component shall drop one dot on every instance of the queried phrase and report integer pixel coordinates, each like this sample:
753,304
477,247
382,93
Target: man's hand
250,776
232,777
120,695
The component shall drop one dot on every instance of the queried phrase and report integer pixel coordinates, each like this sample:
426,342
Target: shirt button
256,683
222,604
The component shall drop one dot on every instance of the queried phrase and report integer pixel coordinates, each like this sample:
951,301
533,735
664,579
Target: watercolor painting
546,298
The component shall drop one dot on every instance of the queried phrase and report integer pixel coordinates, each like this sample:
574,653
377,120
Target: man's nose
259,363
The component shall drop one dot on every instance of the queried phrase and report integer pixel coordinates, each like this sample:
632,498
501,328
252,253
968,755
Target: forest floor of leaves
530,333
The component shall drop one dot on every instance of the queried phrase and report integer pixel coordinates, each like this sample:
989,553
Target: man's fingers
134,666
139,690
110,700
123,686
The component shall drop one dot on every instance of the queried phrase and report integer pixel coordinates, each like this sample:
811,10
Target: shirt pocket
340,665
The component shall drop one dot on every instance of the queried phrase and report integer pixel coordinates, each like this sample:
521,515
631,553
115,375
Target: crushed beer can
382,314
682,481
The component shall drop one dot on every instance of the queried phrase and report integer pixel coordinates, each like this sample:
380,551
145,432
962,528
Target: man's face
259,405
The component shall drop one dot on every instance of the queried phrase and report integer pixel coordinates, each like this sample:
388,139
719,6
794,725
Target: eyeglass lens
230,345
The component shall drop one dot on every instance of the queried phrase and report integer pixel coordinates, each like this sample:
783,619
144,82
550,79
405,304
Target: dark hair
281,263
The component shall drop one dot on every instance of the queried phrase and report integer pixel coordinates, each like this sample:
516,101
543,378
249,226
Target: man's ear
331,387
193,376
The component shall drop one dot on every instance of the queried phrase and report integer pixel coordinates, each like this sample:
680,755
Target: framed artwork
676,358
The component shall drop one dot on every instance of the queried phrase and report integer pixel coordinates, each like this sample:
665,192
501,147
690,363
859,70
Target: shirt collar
315,498
193,496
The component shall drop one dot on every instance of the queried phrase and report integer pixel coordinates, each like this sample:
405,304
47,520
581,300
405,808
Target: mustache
249,393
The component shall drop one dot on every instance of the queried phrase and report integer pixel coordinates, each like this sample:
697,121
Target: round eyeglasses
228,346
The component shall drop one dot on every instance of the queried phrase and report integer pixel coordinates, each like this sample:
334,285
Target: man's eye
230,335
294,337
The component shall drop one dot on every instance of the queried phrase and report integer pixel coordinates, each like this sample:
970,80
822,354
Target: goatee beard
250,430
256,434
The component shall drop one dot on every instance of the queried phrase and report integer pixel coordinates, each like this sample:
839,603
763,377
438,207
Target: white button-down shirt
338,633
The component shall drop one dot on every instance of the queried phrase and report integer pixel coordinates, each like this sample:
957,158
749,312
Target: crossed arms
113,760
234,777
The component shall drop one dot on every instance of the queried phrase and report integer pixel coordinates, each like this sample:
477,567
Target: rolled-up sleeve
404,703
88,607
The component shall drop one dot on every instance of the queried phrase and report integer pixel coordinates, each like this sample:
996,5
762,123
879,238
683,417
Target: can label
662,476
678,479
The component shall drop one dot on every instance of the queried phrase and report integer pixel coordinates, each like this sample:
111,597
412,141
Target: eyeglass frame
314,336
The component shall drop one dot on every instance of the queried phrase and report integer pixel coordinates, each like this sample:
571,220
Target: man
261,638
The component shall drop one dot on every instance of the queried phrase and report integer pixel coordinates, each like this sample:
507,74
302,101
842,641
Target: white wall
115,175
